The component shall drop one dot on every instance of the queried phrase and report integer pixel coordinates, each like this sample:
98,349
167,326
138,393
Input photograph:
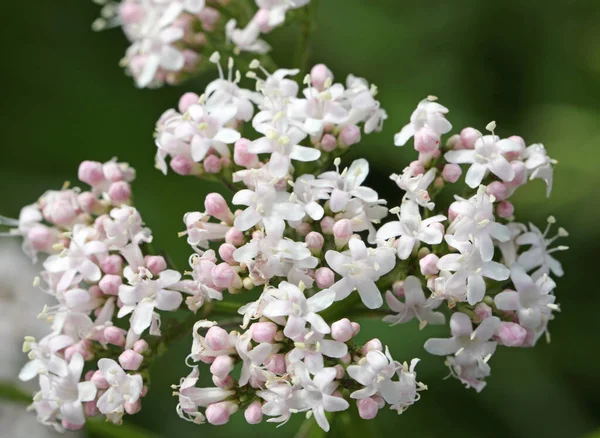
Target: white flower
486,157
539,164
307,195
412,229
428,114
312,348
415,186
200,231
125,226
469,269
278,8
300,310
247,39
476,222
360,267
319,109
533,301
539,254
363,106
472,349
124,388
415,305
253,359
277,396
43,358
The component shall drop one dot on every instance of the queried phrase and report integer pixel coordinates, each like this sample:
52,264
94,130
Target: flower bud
216,206
367,408
40,237
261,18
119,192
346,359
263,331
319,75
114,335
99,380
62,213
187,100
90,409
90,172
327,225
234,237
130,360
342,231
140,346
71,426
217,414
156,264
324,277
505,209
453,211
181,165
222,366
355,328
520,174
109,284
483,311
209,17
212,164
276,364
242,157
226,251
130,12
253,413
314,241
428,265
511,334
426,140
112,171
133,408
469,136
87,201
350,135
217,339
498,190
451,172
398,288
342,330
510,156
111,264
454,142
372,345
418,168
226,383
223,276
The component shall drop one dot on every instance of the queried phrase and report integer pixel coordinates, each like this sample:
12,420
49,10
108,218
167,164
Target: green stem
302,49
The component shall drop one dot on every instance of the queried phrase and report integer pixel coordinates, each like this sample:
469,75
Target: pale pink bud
498,190
510,156
342,231
372,345
431,282
367,408
314,240
263,331
303,229
342,330
130,360
62,214
77,348
469,136
428,264
346,359
187,100
226,251
99,380
253,413
355,328
71,426
87,201
191,60
242,157
95,291
181,165
212,164
339,371
454,142
90,172
327,225
209,17
119,192
217,414
276,364
223,276
505,209
324,277
328,143
217,339
112,171
130,12
216,206
426,140
350,134
261,18
398,288
453,211
483,311
40,237
234,237
90,409
379,400
222,366
89,374
109,284
417,167
133,408
140,346
520,174
111,264
156,264
320,74
115,335
511,334
451,172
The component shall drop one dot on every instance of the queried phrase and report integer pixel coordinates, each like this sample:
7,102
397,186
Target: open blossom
539,164
415,186
415,305
428,114
124,388
539,254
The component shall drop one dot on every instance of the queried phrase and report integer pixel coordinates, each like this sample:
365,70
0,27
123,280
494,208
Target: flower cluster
170,38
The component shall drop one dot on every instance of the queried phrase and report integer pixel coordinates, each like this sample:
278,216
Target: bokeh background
532,66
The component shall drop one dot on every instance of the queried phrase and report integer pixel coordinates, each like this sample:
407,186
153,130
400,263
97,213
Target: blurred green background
531,65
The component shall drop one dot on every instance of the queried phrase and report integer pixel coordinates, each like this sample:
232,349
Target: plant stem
302,49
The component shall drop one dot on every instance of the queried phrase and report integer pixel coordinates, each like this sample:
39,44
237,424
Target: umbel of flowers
306,241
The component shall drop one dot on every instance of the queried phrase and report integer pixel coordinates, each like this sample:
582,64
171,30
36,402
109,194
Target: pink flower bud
62,213
217,339
263,331
453,211
454,142
216,206
90,172
372,345
223,276
109,284
222,366
451,172
130,360
112,171
253,413
119,192
191,60
133,408
212,164
140,346
71,426
379,400
209,18
339,372
398,288
350,135
261,18
342,231
90,409
417,167
324,277
276,364
320,74
181,165
99,380
355,328
40,237
226,383
426,140
511,334
498,190
242,157
367,408
111,264
428,265
510,156
187,100
115,335
130,12
520,174
314,240
346,359
217,414
483,311
234,237
77,348
226,251
156,264
87,201
469,136
327,225
505,209
342,330
303,229
328,143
